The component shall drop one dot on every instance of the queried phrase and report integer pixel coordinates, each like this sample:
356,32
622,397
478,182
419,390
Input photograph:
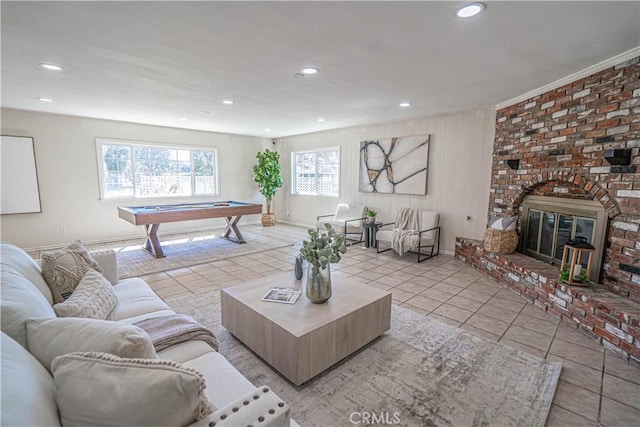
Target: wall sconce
574,250
618,156
513,164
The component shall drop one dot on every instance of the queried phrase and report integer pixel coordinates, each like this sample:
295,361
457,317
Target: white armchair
347,220
427,236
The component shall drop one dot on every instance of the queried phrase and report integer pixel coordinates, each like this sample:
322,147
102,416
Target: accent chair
427,237
346,220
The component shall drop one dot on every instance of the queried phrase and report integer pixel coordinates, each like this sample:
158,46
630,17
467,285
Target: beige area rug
187,251
420,373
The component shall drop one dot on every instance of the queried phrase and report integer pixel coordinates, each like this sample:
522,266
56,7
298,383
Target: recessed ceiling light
51,67
184,119
405,104
310,70
267,129
320,119
228,102
469,10
45,99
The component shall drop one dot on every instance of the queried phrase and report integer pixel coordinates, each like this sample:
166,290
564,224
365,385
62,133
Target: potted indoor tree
321,250
267,174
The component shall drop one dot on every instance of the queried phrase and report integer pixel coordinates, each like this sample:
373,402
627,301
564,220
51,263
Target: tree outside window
131,170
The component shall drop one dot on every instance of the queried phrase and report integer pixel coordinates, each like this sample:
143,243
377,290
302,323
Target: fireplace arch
617,262
591,188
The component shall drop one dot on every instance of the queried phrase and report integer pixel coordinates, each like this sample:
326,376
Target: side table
370,231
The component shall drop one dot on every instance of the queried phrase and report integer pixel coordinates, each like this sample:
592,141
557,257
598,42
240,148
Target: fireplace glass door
547,233
550,222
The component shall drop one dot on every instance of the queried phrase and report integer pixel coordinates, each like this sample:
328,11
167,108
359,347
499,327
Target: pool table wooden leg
152,244
232,222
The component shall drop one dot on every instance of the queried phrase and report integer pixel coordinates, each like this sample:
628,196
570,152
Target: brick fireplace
559,138
554,145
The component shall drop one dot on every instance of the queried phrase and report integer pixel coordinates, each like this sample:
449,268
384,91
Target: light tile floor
596,387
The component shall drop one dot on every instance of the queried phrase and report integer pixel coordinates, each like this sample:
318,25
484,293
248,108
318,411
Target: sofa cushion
21,300
63,269
28,393
94,298
103,389
135,300
185,351
17,258
145,316
216,368
50,338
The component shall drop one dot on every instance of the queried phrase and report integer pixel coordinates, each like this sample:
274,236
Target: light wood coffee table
303,339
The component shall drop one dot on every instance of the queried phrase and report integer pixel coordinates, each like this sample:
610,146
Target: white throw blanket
405,235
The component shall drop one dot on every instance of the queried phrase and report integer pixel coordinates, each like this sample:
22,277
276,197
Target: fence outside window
138,170
316,172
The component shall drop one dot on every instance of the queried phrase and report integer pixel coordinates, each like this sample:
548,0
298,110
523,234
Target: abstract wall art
394,165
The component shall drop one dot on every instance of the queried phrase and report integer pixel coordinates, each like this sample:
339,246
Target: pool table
152,216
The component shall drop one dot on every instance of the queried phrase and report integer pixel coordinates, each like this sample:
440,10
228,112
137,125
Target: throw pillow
101,389
63,269
94,297
50,338
507,223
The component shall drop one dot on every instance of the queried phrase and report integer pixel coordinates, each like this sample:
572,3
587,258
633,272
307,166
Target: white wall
65,153
460,156
459,172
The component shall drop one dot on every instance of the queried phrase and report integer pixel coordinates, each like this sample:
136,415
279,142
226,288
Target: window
131,169
316,172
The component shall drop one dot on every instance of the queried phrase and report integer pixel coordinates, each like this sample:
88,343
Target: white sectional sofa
28,389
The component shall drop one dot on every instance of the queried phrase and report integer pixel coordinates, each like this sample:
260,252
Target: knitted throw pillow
63,269
94,298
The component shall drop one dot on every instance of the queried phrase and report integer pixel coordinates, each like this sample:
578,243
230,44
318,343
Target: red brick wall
559,137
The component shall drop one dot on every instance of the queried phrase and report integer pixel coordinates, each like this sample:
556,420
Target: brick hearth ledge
610,319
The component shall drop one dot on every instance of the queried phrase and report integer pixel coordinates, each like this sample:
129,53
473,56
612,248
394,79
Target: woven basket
268,219
500,241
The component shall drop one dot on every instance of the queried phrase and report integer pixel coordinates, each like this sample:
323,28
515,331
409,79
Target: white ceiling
155,62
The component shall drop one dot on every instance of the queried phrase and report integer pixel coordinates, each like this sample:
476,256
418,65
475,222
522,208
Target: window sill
163,199
330,196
